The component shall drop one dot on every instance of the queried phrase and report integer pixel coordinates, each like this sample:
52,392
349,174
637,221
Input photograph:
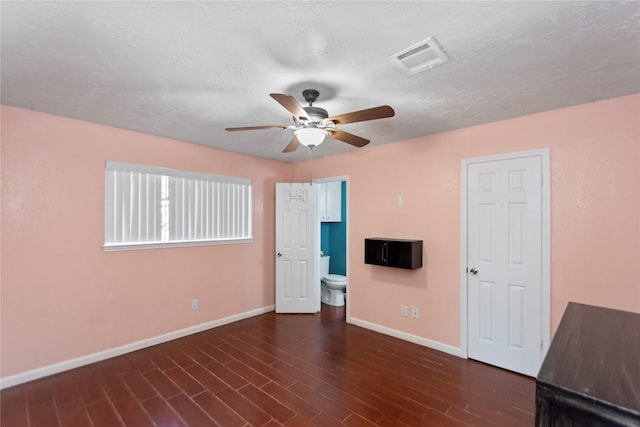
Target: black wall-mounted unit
399,253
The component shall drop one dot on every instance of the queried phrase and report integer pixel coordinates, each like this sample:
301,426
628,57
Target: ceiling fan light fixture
311,136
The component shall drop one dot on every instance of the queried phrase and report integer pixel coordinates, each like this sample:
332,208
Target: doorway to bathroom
333,215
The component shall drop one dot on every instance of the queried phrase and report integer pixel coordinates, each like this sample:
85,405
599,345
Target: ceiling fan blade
381,112
256,127
292,146
347,137
290,103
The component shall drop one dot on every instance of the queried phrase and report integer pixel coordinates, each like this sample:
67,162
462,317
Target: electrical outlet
415,313
194,304
404,310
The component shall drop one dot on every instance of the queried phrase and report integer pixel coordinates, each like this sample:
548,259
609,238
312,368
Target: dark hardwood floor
271,370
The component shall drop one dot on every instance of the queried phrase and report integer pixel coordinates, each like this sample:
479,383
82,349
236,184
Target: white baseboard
455,351
45,371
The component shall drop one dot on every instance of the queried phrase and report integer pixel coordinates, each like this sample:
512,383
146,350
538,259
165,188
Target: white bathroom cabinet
330,201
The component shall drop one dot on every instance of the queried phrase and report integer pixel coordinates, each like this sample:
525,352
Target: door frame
348,219
543,153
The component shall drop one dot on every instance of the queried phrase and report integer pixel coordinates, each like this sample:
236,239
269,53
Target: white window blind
148,206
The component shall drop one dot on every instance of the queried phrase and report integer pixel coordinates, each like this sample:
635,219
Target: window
148,206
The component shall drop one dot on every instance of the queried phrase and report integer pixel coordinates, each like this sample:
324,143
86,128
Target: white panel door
297,249
505,263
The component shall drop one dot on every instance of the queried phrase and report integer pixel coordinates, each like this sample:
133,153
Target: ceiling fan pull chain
310,162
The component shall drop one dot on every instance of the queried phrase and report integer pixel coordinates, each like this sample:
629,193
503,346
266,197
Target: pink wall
595,213
62,296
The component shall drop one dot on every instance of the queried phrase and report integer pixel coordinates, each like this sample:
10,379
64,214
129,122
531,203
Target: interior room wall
595,213
62,296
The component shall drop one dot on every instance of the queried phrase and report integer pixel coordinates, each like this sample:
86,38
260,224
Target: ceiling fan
313,124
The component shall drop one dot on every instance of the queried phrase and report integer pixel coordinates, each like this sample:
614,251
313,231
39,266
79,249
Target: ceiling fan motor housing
316,114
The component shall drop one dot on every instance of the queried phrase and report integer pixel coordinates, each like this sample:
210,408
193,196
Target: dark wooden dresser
591,373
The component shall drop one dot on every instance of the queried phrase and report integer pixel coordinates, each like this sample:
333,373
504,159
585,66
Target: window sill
134,246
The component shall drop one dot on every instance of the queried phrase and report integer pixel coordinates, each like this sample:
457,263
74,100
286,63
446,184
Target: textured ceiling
187,70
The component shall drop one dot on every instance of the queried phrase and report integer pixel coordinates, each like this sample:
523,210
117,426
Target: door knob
473,271
279,254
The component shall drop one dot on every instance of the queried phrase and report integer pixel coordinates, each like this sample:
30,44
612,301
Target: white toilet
332,285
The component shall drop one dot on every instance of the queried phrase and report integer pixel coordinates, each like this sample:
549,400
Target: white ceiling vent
420,57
